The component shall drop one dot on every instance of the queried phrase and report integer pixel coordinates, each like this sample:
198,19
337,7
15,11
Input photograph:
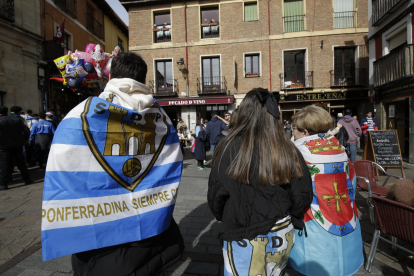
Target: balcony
68,5
349,78
210,30
7,10
343,20
164,88
211,85
93,25
301,83
162,34
395,66
294,23
382,9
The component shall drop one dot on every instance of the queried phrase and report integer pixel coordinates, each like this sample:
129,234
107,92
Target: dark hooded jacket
248,210
148,257
13,132
214,128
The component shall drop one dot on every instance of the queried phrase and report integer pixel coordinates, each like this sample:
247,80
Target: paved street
20,218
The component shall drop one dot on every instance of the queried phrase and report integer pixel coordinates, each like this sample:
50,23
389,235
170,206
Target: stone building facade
20,50
312,52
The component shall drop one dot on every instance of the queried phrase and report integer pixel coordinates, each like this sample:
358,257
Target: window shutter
250,12
344,14
294,16
397,40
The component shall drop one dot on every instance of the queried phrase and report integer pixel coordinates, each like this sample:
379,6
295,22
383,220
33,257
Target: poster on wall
391,111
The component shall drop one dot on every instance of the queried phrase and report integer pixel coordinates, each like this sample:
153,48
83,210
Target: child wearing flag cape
259,186
331,243
112,179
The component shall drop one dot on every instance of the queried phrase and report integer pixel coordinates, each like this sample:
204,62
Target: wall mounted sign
324,96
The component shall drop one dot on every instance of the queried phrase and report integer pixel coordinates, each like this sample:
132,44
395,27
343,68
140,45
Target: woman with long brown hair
259,186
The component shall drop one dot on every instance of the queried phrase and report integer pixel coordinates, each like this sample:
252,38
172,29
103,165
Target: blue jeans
353,150
212,148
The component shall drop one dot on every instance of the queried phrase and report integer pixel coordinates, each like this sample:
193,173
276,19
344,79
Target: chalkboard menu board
386,148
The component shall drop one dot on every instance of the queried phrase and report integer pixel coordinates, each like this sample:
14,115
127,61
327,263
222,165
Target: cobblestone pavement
20,218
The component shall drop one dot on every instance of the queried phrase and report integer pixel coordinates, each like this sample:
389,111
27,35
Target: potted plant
205,24
155,28
213,22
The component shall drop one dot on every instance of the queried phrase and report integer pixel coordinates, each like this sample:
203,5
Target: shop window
210,26
204,111
294,16
252,66
162,27
250,11
294,69
344,66
164,81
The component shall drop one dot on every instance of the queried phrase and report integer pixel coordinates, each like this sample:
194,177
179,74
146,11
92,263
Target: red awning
196,100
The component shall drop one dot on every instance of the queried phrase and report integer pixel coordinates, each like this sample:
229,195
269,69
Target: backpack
343,137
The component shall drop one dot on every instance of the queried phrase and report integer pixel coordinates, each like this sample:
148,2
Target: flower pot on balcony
155,30
165,29
213,24
205,25
252,75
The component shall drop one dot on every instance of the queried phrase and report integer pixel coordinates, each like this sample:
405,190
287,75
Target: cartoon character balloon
90,47
98,59
61,64
76,72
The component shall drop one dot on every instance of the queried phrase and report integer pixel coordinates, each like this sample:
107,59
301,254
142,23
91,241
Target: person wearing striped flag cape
331,243
112,180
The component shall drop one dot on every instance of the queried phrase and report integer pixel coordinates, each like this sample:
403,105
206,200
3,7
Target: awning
196,100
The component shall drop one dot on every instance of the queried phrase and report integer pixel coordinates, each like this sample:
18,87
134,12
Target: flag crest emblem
133,138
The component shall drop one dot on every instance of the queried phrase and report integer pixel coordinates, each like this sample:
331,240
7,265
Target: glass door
164,78
211,75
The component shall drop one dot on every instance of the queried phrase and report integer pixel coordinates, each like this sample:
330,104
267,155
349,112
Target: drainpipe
270,51
186,47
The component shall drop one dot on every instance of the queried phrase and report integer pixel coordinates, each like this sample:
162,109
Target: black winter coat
142,258
13,132
248,210
200,146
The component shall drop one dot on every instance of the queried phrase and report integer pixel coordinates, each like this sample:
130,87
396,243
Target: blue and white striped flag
112,177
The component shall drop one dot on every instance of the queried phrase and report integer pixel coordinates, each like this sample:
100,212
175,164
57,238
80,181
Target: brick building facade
206,55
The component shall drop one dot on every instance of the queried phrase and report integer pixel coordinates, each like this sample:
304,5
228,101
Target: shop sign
400,89
175,102
324,96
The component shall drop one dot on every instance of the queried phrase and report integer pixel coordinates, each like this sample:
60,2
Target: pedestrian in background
339,117
41,137
288,130
359,138
214,127
200,148
367,124
15,112
13,135
55,120
332,243
259,187
354,131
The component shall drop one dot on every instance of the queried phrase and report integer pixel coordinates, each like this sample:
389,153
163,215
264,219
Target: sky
119,9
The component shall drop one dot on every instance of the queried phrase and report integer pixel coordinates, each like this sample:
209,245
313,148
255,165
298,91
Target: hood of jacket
347,119
214,119
130,93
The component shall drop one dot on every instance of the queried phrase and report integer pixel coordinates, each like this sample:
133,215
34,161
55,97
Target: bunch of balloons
83,68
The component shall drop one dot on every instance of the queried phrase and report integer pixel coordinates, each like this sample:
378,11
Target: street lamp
181,64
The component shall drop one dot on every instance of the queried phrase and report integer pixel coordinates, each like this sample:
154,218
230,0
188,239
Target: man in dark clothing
41,137
354,131
15,112
13,135
214,127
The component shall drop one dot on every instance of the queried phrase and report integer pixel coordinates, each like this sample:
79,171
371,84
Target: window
210,22
251,62
344,66
294,16
120,44
162,27
92,24
250,11
294,69
397,40
344,14
164,81
67,43
211,79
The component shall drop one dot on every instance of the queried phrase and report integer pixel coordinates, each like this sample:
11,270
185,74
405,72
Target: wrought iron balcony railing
294,23
7,10
210,30
394,66
162,36
93,25
303,82
343,20
381,9
162,88
211,85
68,5
356,77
